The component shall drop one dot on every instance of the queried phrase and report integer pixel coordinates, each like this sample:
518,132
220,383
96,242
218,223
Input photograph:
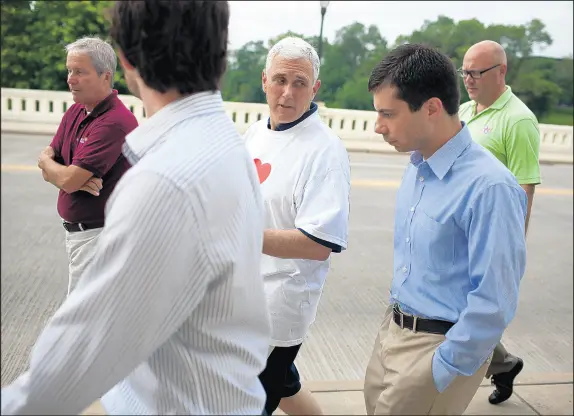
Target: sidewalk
537,394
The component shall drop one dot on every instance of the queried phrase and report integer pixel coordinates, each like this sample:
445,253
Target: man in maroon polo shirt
85,159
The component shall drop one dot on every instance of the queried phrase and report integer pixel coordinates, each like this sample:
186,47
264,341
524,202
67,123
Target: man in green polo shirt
503,124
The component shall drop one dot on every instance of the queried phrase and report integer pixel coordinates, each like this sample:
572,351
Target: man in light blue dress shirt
459,246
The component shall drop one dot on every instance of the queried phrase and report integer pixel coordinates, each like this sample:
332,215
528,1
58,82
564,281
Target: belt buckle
415,318
397,309
81,226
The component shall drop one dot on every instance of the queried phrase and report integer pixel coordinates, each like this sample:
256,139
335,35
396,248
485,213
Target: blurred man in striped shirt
170,317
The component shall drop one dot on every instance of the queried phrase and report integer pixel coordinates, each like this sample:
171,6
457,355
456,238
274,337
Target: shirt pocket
434,242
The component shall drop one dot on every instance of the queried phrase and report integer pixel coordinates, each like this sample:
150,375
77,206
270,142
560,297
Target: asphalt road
34,269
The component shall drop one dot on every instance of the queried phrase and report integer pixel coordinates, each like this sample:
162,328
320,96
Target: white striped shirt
170,317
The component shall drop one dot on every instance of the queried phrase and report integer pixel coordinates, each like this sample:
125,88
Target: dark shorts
280,377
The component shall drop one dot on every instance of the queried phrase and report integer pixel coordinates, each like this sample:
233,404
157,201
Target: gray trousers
502,361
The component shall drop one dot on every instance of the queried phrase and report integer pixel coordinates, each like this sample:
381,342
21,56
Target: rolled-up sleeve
494,224
143,283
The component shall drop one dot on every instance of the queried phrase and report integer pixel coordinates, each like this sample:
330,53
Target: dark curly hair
419,73
179,44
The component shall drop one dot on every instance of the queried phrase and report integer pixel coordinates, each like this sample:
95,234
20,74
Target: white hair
294,48
101,53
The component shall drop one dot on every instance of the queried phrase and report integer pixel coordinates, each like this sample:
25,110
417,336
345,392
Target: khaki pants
81,247
502,361
399,378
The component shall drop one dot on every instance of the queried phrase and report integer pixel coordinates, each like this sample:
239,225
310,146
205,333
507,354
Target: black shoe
504,383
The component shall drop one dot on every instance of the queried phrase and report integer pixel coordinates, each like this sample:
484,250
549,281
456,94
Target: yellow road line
554,191
18,168
360,183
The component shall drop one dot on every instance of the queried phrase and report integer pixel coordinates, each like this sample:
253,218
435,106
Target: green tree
432,33
242,80
563,75
537,92
454,39
34,35
17,44
519,42
347,65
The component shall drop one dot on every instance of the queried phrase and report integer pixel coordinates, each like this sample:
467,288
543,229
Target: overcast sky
261,20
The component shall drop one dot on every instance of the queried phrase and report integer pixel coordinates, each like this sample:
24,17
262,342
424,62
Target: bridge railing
40,112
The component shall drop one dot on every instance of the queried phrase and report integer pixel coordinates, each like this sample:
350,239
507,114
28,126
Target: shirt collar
503,99
285,126
500,101
151,132
443,159
103,105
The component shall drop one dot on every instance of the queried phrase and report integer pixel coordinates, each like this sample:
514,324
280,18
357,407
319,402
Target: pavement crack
527,404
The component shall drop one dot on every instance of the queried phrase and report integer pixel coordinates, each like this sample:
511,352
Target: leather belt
74,227
416,324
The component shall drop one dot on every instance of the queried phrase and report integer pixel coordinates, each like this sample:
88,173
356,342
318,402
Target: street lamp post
324,5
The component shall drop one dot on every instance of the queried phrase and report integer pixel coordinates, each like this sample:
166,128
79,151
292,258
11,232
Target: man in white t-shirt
304,173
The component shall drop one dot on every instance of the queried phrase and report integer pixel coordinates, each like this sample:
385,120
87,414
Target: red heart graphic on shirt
263,170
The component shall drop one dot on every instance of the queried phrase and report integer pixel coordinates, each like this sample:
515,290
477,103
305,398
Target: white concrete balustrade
40,112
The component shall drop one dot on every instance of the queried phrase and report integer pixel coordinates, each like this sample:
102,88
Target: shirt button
421,178
412,209
407,239
405,269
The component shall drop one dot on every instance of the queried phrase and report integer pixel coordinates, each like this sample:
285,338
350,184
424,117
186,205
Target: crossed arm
68,178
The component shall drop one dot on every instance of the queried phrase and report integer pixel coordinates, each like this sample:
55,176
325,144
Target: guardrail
40,112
